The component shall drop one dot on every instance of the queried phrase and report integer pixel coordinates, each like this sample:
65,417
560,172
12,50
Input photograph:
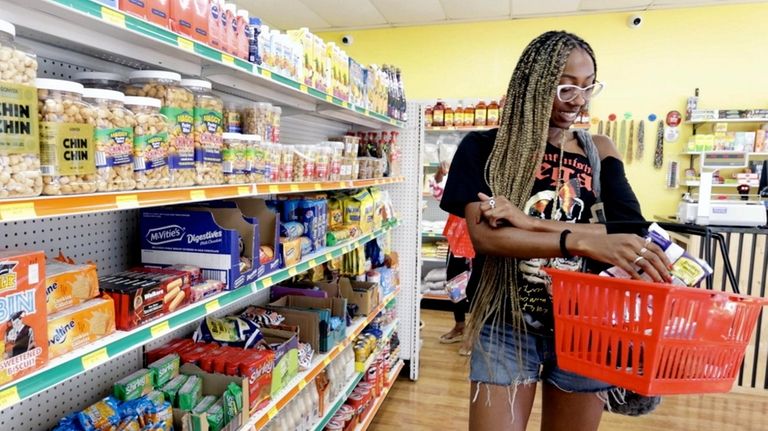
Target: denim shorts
494,361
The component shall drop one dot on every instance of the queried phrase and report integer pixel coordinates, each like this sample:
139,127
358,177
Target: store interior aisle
438,400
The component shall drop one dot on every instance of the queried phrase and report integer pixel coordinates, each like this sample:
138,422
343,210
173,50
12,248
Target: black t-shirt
574,204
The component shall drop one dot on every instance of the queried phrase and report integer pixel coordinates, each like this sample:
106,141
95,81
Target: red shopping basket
653,339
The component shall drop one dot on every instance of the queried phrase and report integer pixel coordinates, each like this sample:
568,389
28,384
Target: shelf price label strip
65,370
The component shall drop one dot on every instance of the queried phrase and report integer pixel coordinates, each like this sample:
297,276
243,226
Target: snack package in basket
686,270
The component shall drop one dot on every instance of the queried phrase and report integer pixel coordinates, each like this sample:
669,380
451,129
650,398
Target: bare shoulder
605,147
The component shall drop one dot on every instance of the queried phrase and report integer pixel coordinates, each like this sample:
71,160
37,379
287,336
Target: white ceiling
322,15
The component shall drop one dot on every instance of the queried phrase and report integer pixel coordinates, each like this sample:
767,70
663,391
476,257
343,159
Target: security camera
635,21
347,39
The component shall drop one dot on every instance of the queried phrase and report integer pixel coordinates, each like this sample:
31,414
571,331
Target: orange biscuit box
82,324
67,285
23,316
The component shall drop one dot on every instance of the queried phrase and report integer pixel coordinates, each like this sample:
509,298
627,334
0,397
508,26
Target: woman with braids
529,191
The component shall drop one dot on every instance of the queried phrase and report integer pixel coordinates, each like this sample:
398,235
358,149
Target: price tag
185,44
367,112
274,189
267,282
272,412
227,59
292,271
312,263
302,384
95,358
20,211
329,98
328,257
393,122
197,195
9,397
212,306
243,191
265,73
343,185
254,288
318,186
127,201
113,17
303,88
160,329
348,105
327,360
294,187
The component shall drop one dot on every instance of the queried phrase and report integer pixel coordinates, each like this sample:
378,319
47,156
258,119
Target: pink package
215,10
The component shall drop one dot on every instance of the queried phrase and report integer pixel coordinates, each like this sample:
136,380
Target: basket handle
703,231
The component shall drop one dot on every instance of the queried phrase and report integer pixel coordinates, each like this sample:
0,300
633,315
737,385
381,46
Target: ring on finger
492,203
642,251
637,259
648,240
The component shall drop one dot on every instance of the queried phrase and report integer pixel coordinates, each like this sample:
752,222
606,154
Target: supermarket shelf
339,401
261,417
732,120
456,129
715,186
390,329
432,235
432,259
435,296
95,354
722,153
380,400
54,206
89,27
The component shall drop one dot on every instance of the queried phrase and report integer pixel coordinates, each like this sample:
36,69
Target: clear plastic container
275,113
336,160
322,163
276,153
150,143
209,127
286,164
234,162
233,122
114,140
178,105
67,144
19,138
259,158
256,121
252,147
102,80
303,163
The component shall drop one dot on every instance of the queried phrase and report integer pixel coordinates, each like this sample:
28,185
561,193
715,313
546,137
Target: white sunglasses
568,92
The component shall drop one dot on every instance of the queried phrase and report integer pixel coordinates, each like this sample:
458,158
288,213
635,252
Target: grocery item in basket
134,385
19,137
686,270
151,145
164,369
67,284
266,254
101,415
232,400
67,142
171,389
262,316
22,315
114,140
230,331
82,324
206,403
190,393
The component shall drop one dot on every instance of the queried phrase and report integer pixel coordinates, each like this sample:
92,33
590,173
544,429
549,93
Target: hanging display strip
380,400
91,12
55,206
260,418
98,353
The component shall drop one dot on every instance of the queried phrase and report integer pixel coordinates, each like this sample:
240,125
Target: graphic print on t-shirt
572,201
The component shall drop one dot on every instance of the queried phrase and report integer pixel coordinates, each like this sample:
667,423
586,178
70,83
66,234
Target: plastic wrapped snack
209,127
114,140
67,145
19,144
178,106
229,331
150,143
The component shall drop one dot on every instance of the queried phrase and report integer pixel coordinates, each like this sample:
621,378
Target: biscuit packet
165,369
67,285
80,325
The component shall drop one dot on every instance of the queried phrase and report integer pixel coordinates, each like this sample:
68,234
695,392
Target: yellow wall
652,69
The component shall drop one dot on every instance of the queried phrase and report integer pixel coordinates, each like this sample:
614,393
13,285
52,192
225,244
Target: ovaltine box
209,238
23,326
77,326
67,285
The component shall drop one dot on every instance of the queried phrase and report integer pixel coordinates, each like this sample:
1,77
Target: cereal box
67,285
77,326
22,313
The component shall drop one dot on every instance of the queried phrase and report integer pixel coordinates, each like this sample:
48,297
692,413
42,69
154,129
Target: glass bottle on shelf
438,114
448,116
469,116
458,115
428,116
493,114
481,114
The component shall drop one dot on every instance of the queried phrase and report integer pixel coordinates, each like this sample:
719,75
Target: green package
171,389
190,393
232,400
134,385
215,416
205,404
165,369
156,397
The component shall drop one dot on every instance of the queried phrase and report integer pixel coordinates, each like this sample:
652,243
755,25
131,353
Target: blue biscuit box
206,237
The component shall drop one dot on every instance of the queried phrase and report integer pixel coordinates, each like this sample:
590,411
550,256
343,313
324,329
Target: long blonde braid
513,163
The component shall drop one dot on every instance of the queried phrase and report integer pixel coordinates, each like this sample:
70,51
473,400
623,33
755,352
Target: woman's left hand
503,212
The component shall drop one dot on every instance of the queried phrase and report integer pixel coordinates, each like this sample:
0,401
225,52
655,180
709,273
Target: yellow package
75,327
358,210
378,207
67,285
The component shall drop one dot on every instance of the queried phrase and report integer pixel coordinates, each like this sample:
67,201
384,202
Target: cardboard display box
312,316
213,384
269,230
286,356
363,294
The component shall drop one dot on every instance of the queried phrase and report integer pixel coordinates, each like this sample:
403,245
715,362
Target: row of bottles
396,103
478,115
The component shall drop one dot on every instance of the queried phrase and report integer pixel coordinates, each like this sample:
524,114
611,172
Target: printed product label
259,167
18,119
438,117
181,139
114,147
67,149
480,117
209,126
250,159
493,116
151,152
234,161
233,123
449,119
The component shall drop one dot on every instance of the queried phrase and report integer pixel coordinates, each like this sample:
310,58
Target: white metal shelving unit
82,35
